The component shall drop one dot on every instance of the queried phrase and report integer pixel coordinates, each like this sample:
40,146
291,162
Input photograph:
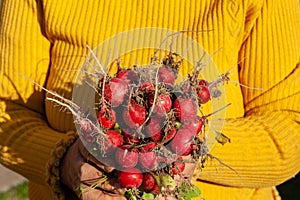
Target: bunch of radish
149,124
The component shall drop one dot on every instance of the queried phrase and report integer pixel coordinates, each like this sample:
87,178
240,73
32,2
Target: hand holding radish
146,137
80,171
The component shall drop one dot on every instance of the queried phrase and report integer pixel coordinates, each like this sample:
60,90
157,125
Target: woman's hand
190,167
79,170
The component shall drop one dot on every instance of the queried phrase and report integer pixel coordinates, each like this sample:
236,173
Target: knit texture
260,41
53,166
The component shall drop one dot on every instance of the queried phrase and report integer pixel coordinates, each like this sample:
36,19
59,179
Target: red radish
87,129
170,133
166,75
203,82
157,137
149,182
144,133
137,112
128,75
155,189
115,139
154,129
129,136
185,108
178,166
163,103
148,147
115,91
147,86
130,178
127,119
194,125
147,160
181,144
106,118
203,94
135,115
127,158
131,140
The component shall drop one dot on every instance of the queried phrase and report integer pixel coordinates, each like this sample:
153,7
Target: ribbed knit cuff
53,166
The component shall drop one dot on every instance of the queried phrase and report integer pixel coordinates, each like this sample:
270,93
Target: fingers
89,172
87,179
189,169
95,194
190,166
93,177
70,167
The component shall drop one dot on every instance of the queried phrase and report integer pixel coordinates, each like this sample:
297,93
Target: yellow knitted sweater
42,39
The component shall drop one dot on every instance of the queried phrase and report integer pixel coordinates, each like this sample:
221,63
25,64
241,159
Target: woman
42,39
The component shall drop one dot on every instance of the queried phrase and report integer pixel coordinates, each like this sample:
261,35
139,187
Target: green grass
20,192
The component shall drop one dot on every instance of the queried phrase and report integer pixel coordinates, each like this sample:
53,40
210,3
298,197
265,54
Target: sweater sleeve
26,140
264,149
